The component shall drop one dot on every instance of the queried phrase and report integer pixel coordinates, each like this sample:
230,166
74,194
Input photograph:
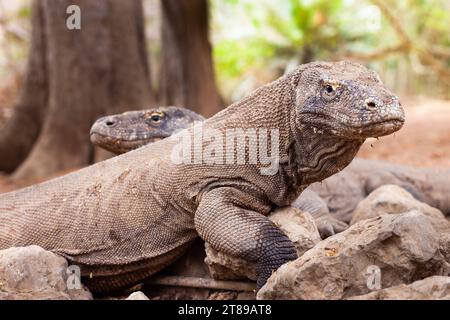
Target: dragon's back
111,213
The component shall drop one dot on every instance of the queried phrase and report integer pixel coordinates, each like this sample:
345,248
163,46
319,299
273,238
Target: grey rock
225,267
399,248
32,273
392,199
138,295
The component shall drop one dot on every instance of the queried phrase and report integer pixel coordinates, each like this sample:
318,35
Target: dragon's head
346,100
124,132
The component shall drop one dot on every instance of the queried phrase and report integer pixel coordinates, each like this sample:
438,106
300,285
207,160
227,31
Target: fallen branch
196,282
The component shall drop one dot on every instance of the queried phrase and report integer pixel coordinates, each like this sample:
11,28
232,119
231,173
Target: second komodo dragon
123,219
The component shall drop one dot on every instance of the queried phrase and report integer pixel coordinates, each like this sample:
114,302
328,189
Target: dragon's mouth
382,128
369,129
121,145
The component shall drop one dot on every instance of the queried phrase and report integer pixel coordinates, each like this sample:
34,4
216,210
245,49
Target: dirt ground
424,141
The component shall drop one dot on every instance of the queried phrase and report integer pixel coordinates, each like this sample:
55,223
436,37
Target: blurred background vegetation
407,41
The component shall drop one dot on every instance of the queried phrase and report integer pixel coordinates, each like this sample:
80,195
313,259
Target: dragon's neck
314,156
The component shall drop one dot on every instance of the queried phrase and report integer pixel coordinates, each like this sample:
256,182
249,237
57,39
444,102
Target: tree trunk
187,73
21,131
100,69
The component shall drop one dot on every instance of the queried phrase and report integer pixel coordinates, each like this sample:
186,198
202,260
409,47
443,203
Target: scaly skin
125,218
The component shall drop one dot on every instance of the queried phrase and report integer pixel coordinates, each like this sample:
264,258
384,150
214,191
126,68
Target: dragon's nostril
110,123
371,104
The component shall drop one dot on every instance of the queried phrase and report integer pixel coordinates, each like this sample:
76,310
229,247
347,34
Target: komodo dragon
339,193
125,218
130,130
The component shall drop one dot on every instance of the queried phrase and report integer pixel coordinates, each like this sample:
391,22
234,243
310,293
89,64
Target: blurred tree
186,75
72,78
21,131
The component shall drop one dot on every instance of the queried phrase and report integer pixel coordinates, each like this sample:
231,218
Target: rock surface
225,267
432,288
297,225
399,249
392,199
138,295
32,273
444,243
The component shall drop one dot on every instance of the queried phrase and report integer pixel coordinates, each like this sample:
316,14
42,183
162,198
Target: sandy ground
424,141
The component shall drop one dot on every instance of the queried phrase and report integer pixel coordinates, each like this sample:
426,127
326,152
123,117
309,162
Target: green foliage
234,57
24,12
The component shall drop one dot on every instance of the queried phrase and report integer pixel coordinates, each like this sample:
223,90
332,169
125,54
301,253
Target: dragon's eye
329,91
156,117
